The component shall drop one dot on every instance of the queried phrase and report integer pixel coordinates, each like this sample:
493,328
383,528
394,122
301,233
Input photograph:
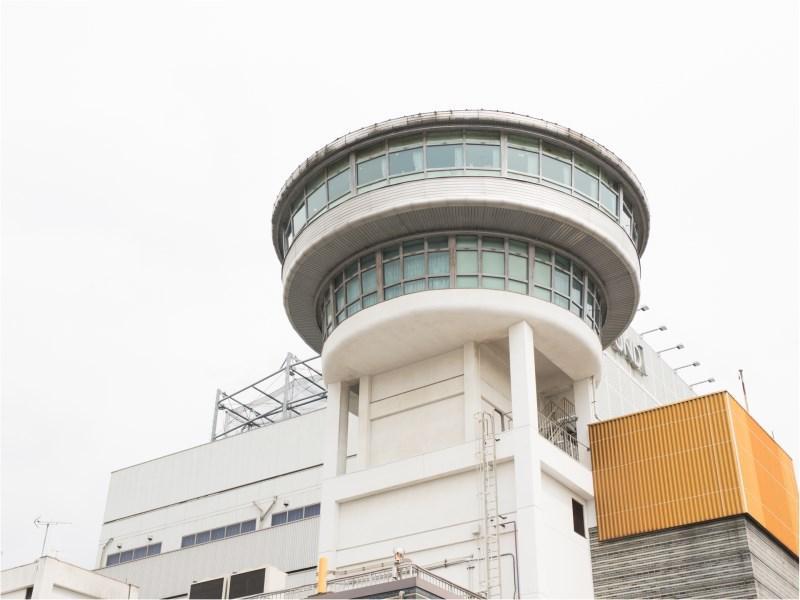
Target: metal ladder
487,463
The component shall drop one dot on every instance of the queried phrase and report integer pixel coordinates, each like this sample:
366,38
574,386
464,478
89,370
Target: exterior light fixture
662,328
643,308
676,347
693,364
709,380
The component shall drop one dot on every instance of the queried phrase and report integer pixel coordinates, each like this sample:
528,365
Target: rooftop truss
295,389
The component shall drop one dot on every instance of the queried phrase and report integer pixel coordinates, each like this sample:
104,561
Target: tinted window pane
444,157
391,272
466,241
413,246
586,184
234,529
339,185
353,289
523,161
413,266
203,537
154,549
438,283
392,292
541,274
437,243
608,199
561,282
438,263
563,262
577,518
340,299
391,253
369,300
369,281
311,510
466,282
543,254
372,170
466,261
187,540
139,552
492,263
368,261
523,142
317,200
492,243
353,308
299,219
279,518
541,293
516,286
561,301
557,151
126,556
218,533
493,283
518,267
556,170
483,157
112,559
295,514
577,291
407,161
414,286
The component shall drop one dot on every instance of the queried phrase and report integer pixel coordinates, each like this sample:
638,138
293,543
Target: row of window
295,514
134,554
461,152
462,261
212,535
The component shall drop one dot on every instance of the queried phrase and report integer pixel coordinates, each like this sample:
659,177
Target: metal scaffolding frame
295,389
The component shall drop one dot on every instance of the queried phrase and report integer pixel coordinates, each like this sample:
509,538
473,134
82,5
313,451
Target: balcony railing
362,580
556,432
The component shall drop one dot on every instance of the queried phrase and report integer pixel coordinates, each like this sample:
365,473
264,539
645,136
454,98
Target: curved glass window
468,260
453,152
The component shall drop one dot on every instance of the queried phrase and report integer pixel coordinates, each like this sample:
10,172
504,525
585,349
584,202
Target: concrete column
335,447
364,421
334,457
582,396
472,389
527,469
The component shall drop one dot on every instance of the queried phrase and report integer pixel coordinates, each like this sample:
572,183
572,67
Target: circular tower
467,221
461,273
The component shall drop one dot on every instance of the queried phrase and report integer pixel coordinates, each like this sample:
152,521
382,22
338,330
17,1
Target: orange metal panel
665,467
688,462
767,477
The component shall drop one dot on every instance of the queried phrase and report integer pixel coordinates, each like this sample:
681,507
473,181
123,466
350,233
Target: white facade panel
286,547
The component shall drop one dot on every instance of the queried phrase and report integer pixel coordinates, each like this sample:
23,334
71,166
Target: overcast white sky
143,144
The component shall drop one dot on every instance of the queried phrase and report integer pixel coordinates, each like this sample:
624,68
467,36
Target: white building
48,577
469,278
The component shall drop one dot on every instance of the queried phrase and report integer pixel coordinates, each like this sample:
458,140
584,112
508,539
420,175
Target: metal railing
558,435
361,580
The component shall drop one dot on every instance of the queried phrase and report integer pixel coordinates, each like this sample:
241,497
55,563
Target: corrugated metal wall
689,462
768,478
664,467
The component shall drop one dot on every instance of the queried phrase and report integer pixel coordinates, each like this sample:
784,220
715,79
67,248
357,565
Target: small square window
139,552
154,549
279,518
187,540
311,511
234,529
203,537
112,559
126,556
248,526
218,533
295,514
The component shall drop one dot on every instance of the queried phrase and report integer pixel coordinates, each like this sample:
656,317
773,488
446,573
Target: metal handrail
558,435
368,578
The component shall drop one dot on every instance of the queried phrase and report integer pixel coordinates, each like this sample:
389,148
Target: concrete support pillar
527,468
364,421
472,389
582,396
334,462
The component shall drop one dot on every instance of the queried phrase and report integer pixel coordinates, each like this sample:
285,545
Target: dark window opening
207,589
577,518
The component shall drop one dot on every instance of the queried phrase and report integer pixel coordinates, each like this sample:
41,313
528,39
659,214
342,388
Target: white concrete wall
53,578
417,408
213,485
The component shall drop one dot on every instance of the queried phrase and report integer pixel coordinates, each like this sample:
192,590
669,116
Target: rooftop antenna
744,390
39,523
